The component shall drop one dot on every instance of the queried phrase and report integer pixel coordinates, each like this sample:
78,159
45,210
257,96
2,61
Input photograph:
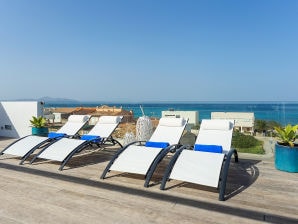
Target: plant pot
40,131
286,158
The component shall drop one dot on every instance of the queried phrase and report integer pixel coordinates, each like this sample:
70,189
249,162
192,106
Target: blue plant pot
40,131
286,158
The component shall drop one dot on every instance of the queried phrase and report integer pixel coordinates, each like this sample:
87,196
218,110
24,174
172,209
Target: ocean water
283,113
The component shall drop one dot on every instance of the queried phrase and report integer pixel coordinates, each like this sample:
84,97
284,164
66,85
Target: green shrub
38,122
247,143
287,135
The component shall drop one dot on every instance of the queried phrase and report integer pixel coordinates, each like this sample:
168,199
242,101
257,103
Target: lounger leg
114,141
25,157
70,155
35,157
224,175
170,167
111,140
107,169
236,156
153,166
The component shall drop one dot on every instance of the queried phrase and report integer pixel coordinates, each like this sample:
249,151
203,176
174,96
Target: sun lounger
25,146
207,162
142,157
64,149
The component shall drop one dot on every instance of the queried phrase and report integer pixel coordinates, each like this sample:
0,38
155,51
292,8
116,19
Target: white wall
54,118
193,116
242,119
15,117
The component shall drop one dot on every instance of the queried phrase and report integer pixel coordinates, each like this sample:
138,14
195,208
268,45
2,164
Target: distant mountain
47,99
57,100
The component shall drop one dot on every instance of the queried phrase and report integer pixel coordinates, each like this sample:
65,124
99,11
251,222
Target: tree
260,125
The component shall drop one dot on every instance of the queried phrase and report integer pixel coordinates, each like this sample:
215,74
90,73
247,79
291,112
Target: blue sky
159,50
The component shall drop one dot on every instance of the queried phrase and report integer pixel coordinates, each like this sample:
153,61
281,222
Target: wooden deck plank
39,193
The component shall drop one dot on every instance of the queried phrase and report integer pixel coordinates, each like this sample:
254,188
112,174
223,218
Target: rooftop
40,193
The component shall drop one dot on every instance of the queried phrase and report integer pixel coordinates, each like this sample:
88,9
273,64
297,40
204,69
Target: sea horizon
283,112
53,100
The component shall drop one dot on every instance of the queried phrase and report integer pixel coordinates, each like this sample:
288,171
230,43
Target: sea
282,112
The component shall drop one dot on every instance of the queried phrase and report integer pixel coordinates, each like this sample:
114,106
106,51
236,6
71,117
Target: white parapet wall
15,117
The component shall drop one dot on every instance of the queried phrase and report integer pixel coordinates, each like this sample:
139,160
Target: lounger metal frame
223,173
163,152
48,142
79,148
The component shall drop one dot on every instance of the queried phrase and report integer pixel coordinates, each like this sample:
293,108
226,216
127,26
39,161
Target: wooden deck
39,193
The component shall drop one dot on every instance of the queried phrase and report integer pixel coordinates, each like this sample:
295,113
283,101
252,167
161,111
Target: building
192,116
62,113
244,121
128,116
15,117
95,112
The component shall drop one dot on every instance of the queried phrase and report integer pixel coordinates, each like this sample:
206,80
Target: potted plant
39,126
286,151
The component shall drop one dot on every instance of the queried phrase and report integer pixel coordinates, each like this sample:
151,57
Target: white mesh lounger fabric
25,146
65,148
141,158
203,164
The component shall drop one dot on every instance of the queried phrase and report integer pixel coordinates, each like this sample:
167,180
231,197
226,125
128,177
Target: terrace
39,193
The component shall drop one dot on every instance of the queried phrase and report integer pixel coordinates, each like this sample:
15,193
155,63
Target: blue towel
157,144
56,135
91,138
208,148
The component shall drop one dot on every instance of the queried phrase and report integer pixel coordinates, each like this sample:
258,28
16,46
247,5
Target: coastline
283,113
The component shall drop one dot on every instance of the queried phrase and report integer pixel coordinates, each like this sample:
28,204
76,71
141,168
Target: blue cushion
56,135
91,138
157,144
208,148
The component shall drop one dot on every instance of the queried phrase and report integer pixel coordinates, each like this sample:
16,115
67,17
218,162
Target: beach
40,193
